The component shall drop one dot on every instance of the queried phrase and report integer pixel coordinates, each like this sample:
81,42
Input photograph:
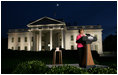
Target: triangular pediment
46,21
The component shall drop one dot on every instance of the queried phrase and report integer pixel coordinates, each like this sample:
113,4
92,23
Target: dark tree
110,43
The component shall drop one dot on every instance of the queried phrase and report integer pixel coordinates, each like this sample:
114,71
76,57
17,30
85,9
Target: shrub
114,66
38,67
67,70
96,62
97,70
31,67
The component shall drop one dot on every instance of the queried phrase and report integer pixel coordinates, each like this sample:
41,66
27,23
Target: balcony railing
84,27
17,30
55,27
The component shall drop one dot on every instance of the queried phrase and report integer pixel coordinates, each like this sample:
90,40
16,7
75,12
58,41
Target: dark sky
15,15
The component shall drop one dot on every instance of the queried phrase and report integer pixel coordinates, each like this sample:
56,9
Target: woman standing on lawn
80,45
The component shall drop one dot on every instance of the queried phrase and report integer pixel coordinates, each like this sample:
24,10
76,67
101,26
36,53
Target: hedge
31,67
38,67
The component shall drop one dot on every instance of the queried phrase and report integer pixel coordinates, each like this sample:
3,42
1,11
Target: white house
47,33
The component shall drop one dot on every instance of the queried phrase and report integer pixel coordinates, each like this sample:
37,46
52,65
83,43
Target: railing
84,27
55,27
17,30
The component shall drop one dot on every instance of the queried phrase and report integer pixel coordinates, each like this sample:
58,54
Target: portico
47,39
47,36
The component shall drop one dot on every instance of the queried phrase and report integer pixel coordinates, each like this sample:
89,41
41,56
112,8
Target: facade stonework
47,33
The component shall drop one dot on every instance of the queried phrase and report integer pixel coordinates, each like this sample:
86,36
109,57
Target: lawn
10,59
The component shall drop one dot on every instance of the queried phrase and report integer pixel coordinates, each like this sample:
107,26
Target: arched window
72,47
18,47
25,48
12,40
32,39
25,39
18,39
71,38
12,48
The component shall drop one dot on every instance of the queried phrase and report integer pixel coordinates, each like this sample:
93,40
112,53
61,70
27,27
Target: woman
80,45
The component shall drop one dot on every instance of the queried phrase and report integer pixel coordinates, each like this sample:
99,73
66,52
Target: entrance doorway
45,40
56,38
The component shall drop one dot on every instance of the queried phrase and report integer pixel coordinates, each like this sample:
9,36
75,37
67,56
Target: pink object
79,45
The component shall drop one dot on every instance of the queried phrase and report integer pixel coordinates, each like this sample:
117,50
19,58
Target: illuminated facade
47,33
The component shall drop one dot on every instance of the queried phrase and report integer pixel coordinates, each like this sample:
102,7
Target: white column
34,41
30,39
62,40
37,42
51,39
40,40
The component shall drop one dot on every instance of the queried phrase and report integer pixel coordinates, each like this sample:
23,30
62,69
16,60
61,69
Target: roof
45,21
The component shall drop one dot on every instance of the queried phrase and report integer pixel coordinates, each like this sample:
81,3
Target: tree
110,43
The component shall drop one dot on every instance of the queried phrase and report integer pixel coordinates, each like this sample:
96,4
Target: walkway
76,65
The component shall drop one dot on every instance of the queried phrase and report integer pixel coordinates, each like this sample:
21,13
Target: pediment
46,21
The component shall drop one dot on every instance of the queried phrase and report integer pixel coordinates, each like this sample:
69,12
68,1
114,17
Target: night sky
16,15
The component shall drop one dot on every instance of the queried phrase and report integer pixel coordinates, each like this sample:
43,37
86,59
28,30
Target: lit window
72,47
12,39
18,39
18,47
25,39
25,47
96,47
72,38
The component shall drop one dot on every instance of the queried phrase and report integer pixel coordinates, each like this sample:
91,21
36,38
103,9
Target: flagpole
55,13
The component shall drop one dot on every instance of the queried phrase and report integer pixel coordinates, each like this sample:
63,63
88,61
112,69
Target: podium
87,60
60,56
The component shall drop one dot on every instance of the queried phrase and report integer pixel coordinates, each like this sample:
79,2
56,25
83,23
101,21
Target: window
25,47
32,39
60,37
91,47
25,39
32,48
18,39
12,39
96,47
12,48
72,38
18,47
96,35
43,47
72,47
